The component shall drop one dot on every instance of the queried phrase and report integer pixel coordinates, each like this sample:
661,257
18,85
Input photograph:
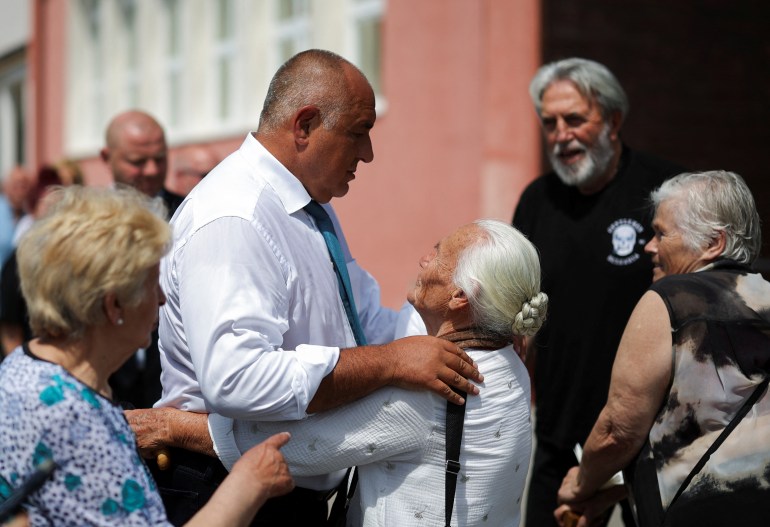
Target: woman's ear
458,300
716,246
112,309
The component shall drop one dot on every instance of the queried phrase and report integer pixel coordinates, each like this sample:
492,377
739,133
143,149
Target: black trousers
549,467
192,479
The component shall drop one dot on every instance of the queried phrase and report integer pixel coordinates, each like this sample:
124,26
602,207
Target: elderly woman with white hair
89,274
688,414
480,288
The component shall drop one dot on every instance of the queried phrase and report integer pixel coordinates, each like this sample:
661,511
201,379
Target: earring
120,322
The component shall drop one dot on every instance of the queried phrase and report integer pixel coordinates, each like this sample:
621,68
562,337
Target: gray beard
593,166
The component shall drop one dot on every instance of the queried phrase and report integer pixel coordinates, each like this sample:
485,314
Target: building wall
458,139
455,139
14,33
46,81
14,27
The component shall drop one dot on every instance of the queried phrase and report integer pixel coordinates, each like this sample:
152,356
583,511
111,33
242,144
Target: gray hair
500,275
590,78
313,77
712,202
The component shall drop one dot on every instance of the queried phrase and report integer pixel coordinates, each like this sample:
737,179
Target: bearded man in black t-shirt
589,219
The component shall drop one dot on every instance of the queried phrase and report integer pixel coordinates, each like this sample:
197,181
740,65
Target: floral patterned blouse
99,479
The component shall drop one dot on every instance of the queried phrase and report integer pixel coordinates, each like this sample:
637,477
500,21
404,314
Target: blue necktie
325,225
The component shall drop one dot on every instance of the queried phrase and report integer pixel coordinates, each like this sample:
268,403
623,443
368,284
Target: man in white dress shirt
254,325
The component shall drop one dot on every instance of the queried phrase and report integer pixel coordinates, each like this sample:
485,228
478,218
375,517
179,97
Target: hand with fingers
159,429
435,364
153,429
260,474
265,465
577,510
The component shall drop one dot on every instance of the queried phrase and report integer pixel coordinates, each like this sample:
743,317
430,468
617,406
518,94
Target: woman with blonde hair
89,272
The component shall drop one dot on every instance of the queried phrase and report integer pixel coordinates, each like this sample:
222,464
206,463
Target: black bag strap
753,398
345,491
455,416
472,337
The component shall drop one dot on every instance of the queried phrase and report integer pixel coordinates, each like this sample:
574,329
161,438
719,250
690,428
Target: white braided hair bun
532,315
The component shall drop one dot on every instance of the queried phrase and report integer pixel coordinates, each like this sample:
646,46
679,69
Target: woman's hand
577,511
260,474
265,465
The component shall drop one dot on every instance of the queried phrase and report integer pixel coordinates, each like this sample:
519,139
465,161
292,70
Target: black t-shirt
594,271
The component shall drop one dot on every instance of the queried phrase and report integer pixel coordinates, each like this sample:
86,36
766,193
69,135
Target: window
94,70
174,62
200,66
292,28
366,38
131,50
11,117
225,50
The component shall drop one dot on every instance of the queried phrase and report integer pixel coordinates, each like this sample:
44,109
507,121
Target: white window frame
10,114
360,10
296,29
100,76
173,66
224,51
131,48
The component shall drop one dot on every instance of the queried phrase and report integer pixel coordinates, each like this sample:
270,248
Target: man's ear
112,308
104,153
458,300
716,246
305,120
615,122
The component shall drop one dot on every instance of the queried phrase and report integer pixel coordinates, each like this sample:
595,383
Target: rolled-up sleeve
234,300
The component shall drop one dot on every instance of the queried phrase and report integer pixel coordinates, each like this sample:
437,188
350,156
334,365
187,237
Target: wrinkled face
141,320
337,152
139,159
577,137
434,287
667,248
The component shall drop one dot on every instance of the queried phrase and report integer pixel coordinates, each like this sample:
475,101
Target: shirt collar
287,187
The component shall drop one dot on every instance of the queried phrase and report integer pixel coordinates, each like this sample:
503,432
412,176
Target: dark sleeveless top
720,320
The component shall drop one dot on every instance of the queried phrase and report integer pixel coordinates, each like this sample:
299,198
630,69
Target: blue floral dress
100,479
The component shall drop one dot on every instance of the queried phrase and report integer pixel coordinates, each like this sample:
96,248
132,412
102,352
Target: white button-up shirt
254,320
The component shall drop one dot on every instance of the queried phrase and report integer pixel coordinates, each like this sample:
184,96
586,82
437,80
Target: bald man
136,152
191,165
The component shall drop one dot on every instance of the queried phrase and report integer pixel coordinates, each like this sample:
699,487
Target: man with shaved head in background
190,166
137,155
135,151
